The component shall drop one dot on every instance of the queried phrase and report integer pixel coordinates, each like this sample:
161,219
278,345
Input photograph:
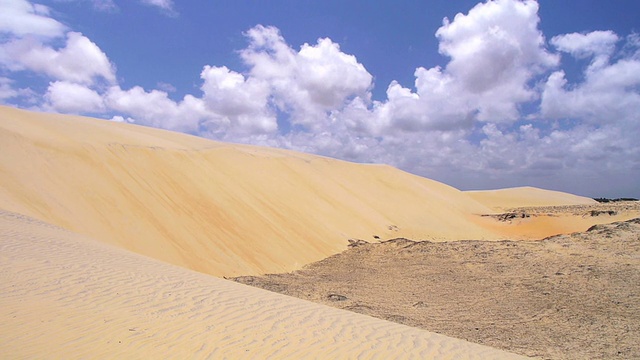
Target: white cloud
6,89
609,93
241,104
599,45
166,87
9,92
79,61
166,5
104,5
309,83
586,45
462,122
21,18
156,109
69,97
99,5
496,50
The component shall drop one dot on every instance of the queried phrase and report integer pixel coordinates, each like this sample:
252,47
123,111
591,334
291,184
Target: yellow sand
228,209
66,296
525,197
222,209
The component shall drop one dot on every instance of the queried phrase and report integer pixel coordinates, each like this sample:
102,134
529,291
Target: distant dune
225,209
65,296
525,197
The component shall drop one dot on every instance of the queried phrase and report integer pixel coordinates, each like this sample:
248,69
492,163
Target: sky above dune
477,95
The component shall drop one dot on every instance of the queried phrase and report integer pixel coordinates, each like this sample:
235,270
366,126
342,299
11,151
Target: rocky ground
566,297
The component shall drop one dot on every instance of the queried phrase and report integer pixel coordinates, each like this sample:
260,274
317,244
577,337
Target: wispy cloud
166,6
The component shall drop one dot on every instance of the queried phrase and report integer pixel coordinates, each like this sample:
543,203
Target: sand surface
222,209
566,297
226,209
526,196
66,296
123,191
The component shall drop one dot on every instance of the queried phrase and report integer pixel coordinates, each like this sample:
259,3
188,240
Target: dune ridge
63,295
228,209
222,209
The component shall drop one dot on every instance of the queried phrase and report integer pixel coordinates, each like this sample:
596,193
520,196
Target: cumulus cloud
79,61
155,108
240,104
585,45
608,95
21,18
495,50
308,83
68,97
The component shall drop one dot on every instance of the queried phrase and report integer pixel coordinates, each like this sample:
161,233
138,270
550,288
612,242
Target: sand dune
217,208
223,209
525,197
63,295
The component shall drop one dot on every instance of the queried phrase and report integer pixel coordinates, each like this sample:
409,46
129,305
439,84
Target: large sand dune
216,208
63,295
224,209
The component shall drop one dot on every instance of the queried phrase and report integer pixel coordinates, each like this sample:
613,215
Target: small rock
336,297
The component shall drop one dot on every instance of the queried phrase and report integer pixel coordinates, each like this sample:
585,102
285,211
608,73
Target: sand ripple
63,295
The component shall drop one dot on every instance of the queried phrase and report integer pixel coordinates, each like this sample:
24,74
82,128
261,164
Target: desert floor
571,296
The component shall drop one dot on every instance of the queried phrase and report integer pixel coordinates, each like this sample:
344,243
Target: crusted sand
63,295
571,296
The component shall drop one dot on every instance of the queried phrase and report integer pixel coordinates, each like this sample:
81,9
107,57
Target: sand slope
227,209
63,295
526,196
218,208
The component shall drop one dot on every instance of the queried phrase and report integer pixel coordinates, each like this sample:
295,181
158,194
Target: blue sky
507,93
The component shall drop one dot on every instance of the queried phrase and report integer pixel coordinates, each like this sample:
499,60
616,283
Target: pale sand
549,212
526,196
222,209
63,295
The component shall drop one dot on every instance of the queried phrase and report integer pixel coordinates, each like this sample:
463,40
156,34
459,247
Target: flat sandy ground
571,296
